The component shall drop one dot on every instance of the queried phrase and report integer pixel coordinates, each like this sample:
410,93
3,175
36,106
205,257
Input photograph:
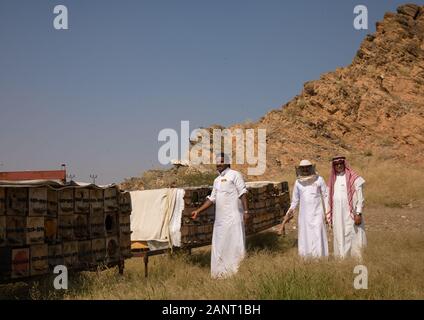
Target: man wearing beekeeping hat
309,192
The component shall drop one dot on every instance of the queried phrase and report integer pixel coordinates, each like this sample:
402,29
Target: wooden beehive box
82,200
267,204
24,230
14,263
111,223
39,262
81,227
195,196
55,255
2,231
97,200
97,224
125,225
52,203
125,247
50,230
17,201
70,254
98,247
125,203
112,250
2,201
125,235
37,201
66,201
111,199
66,228
196,232
35,232
85,254
15,230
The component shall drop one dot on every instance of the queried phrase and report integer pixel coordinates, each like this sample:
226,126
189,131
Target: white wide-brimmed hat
305,163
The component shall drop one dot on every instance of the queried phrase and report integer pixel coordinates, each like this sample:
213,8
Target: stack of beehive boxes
268,202
196,232
79,227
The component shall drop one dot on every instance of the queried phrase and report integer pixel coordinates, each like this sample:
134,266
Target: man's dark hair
224,156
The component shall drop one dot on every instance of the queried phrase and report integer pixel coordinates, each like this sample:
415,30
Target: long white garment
228,238
312,234
349,239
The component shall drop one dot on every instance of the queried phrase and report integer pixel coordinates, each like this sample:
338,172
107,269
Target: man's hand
358,219
194,214
246,217
289,215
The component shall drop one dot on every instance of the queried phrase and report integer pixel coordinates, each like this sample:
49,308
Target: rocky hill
373,108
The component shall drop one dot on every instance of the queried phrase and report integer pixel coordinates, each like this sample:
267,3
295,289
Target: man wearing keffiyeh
345,203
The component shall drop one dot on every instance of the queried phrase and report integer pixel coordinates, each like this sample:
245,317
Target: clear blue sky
96,96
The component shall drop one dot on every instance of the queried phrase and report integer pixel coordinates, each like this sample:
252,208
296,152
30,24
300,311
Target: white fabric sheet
156,217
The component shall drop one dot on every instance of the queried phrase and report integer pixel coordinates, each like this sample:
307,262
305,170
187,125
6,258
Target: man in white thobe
231,212
310,191
345,210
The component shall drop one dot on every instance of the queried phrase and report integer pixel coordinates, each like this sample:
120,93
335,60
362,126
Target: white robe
349,239
228,238
312,236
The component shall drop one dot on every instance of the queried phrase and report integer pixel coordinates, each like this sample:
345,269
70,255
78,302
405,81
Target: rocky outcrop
375,106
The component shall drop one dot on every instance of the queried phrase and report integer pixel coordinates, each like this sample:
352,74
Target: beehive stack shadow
80,227
268,202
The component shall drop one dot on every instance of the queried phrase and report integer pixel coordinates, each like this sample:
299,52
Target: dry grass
273,270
